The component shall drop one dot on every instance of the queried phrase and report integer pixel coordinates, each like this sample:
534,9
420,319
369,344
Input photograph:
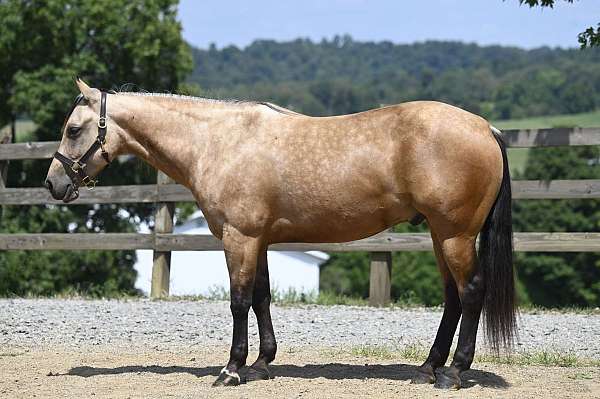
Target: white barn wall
197,272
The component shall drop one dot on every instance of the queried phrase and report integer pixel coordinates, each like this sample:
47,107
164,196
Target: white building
198,272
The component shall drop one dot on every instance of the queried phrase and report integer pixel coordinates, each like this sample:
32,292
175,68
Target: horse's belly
343,221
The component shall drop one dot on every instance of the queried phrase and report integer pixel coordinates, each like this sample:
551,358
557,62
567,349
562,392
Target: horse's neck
172,135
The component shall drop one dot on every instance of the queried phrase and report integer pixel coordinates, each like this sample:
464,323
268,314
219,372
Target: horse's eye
73,131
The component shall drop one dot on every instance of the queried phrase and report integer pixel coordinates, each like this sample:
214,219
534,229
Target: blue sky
239,22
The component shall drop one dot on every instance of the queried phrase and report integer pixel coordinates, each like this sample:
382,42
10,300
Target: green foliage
415,277
344,76
587,38
95,273
545,279
558,279
584,119
44,45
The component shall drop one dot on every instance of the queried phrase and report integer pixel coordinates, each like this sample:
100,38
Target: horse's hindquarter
348,177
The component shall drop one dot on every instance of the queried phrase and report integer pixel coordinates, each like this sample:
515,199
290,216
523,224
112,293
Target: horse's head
88,136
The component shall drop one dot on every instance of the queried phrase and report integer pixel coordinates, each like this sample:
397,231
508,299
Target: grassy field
418,353
25,129
586,119
517,157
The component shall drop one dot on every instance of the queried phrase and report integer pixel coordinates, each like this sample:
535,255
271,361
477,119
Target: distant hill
342,75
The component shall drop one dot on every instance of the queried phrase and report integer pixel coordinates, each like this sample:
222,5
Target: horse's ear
89,93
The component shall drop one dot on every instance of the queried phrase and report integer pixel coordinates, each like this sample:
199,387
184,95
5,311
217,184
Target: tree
44,45
415,276
559,279
588,38
343,76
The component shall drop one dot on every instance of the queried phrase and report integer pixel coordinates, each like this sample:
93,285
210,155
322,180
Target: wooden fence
164,194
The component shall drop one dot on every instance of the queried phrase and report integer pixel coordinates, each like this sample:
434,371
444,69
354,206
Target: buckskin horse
262,174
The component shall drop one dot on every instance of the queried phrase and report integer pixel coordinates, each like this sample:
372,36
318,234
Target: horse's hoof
227,379
257,374
444,381
423,377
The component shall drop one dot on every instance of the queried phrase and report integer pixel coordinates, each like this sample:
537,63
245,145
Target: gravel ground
175,349
46,323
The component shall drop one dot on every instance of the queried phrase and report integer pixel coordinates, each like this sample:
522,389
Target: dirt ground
110,373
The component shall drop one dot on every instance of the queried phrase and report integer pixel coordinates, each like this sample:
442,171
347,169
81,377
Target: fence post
5,138
380,279
163,223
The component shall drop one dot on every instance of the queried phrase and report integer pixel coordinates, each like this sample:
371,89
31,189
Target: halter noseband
76,168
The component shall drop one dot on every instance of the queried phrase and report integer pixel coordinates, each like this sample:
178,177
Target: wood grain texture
30,150
556,189
5,138
554,137
163,224
78,241
380,279
522,189
99,195
392,242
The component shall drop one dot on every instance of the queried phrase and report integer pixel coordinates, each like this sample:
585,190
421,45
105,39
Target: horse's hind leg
241,253
440,350
461,257
261,301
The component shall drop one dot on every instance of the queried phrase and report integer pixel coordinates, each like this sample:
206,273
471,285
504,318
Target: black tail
496,260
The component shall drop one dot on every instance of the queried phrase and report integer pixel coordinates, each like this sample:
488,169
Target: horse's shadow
331,371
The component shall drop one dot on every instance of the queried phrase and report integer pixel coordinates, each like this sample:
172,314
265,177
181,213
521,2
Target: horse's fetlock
463,359
240,354
268,350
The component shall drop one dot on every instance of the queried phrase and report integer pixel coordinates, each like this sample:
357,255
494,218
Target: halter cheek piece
76,168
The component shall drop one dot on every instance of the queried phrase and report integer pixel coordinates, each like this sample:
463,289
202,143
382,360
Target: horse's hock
164,194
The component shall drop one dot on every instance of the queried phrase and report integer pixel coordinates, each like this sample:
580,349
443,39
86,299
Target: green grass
292,297
24,129
517,157
288,297
586,119
418,353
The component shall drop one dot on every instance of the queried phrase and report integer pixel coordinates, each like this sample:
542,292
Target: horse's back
373,169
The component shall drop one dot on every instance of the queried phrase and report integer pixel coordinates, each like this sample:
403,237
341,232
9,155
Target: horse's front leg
261,301
241,253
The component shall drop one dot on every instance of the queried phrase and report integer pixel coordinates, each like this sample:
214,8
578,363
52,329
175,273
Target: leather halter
76,168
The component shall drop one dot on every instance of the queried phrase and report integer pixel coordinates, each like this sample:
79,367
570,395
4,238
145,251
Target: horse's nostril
48,185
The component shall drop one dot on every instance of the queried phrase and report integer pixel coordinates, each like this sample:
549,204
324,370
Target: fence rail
150,193
515,138
384,242
164,194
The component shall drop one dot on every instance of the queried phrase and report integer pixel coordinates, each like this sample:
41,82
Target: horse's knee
240,306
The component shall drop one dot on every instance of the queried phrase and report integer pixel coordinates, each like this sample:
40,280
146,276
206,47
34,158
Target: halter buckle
77,166
102,142
89,183
102,122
